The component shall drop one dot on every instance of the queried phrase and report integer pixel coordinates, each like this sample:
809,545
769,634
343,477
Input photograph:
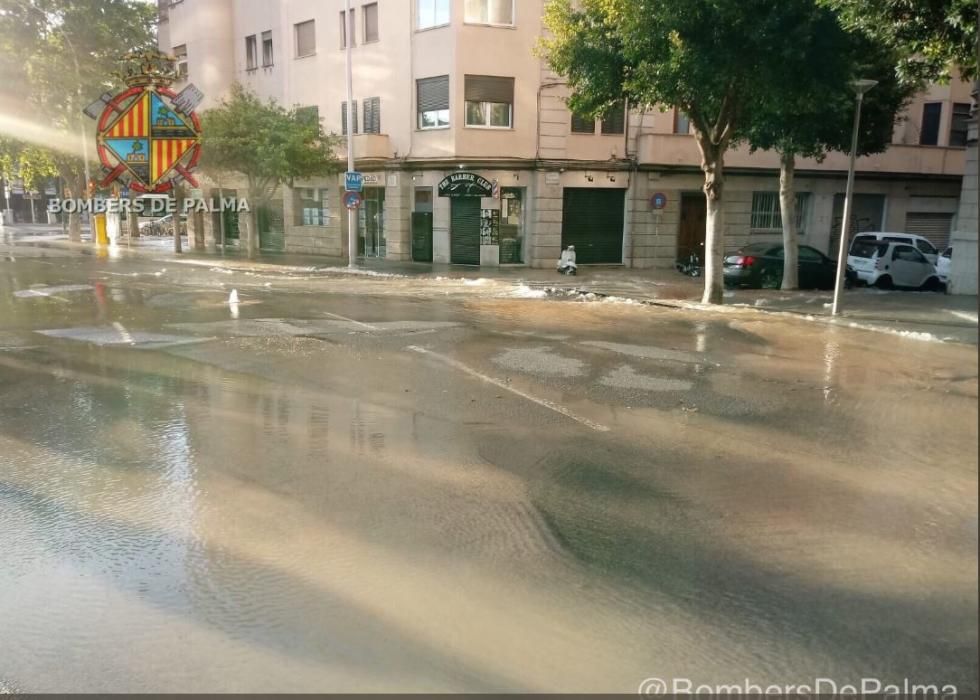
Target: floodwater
375,485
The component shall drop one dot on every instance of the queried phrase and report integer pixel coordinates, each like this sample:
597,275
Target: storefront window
310,206
511,225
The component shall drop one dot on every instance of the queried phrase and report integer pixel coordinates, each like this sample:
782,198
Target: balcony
681,150
368,147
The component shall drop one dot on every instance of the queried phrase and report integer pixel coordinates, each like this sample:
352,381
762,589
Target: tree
31,164
932,35
57,56
267,144
813,112
717,60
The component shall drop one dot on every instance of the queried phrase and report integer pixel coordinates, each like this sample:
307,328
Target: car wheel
931,285
885,282
771,279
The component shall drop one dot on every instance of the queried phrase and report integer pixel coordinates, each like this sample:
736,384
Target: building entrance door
690,235
371,223
464,231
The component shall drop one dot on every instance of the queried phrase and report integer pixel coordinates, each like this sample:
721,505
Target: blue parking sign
353,181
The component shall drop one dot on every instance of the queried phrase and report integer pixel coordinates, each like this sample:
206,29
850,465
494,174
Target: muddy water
552,496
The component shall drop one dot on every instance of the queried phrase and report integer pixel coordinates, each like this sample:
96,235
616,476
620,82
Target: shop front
486,223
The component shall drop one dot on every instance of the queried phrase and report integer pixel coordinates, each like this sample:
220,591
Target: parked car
887,264
923,245
943,264
761,265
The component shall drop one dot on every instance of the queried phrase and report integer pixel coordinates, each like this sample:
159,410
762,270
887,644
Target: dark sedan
761,265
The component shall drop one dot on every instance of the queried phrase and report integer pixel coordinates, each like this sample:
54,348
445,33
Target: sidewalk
928,315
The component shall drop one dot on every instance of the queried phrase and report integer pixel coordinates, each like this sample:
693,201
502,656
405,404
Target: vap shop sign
465,185
148,136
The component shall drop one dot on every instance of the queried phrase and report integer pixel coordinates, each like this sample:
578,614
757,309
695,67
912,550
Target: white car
942,265
887,264
920,243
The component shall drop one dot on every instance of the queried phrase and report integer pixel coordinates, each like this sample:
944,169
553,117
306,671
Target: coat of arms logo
149,137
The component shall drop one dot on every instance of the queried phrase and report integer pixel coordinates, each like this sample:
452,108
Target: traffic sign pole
351,218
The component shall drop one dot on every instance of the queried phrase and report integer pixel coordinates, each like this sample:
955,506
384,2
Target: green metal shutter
464,231
272,230
592,221
422,236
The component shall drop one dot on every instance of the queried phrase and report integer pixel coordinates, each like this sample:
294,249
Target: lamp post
860,87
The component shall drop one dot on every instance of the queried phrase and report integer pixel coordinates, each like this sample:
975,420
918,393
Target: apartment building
471,155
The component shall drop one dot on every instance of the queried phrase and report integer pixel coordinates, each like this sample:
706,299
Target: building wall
539,152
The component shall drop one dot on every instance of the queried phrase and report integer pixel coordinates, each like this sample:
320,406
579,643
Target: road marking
502,385
350,320
964,315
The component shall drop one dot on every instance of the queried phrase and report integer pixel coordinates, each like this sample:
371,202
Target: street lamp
860,87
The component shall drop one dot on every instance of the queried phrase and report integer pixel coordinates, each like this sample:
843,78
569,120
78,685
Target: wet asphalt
369,483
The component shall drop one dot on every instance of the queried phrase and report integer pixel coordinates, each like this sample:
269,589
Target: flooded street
376,484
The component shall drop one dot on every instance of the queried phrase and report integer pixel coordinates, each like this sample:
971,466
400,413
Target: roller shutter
592,221
464,231
935,227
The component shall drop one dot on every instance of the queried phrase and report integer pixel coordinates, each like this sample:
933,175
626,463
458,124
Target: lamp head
863,85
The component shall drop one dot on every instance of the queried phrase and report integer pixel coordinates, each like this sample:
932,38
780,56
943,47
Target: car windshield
862,249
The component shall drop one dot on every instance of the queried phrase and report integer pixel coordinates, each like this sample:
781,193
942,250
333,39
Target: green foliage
813,111
57,56
265,142
931,35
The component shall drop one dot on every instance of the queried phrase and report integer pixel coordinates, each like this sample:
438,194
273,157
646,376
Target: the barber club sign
149,137
465,185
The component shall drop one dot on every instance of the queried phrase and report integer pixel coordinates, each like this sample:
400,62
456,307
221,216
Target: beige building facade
471,155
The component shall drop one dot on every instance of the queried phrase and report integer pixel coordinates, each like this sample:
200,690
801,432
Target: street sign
658,201
353,181
352,200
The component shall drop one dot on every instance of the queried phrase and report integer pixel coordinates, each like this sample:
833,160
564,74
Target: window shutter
614,121
489,88
433,93
343,117
306,38
582,125
372,115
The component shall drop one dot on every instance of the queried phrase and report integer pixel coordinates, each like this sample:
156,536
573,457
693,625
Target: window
929,130
343,116
370,22
180,54
907,253
582,125
433,102
489,101
614,120
372,115
267,57
310,207
305,38
345,26
958,127
808,254
432,13
925,247
251,52
490,12
423,199
766,216
682,123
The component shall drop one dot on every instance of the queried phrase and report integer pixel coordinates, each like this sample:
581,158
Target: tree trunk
177,241
714,236
75,227
787,210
